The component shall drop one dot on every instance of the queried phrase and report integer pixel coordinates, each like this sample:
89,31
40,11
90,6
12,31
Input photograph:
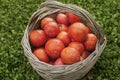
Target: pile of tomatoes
62,40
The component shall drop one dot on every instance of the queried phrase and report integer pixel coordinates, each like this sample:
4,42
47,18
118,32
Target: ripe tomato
58,62
91,41
77,45
63,36
62,19
85,54
77,32
54,47
84,27
70,55
52,29
72,18
88,30
63,27
46,21
41,54
37,38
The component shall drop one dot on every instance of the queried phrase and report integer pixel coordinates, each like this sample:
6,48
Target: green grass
14,15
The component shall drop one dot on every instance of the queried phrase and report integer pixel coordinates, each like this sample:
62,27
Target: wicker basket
63,72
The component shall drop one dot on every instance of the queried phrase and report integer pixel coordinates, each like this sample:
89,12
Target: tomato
70,55
72,18
45,21
62,19
37,38
52,29
58,62
63,36
77,32
88,30
85,54
54,47
91,41
77,45
63,27
84,27
41,54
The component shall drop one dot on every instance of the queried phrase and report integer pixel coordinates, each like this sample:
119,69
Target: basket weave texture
63,72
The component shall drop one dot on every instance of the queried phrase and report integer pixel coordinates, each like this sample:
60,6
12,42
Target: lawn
14,16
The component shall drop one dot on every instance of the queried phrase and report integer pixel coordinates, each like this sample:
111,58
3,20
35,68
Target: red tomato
37,38
72,18
58,62
88,30
91,41
70,55
84,27
52,29
54,47
85,54
63,36
63,27
62,19
77,45
46,21
41,54
77,32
